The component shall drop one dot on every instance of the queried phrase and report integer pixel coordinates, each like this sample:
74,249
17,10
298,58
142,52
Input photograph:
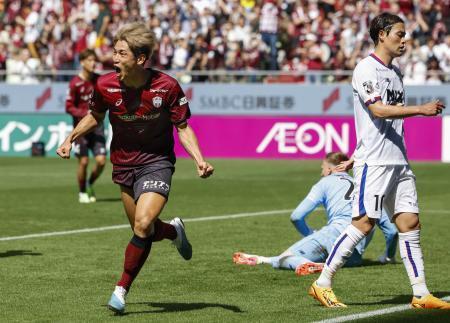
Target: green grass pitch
70,278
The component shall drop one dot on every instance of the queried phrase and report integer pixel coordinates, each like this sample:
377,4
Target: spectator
56,31
165,52
434,72
3,58
268,28
21,67
180,54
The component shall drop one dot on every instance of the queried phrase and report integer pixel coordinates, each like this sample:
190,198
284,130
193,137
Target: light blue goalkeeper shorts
317,246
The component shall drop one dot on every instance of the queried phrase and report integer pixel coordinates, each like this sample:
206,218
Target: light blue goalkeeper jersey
335,193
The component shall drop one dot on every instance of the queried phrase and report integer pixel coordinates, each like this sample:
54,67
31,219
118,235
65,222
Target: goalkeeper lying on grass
334,192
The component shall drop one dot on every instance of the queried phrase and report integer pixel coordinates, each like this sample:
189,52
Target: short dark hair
384,21
86,53
335,158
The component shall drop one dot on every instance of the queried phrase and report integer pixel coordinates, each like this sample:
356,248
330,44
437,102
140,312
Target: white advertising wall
228,99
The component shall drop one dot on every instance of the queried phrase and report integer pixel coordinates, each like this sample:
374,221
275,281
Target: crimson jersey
77,100
142,119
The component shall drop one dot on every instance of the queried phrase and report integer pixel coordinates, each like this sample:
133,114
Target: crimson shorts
156,177
94,141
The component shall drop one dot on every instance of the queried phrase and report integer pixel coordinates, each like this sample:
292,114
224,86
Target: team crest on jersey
157,101
368,87
182,101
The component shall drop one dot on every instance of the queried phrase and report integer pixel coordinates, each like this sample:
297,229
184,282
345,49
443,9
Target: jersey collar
375,57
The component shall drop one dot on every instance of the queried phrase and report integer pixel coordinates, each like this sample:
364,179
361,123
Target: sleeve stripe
178,123
375,99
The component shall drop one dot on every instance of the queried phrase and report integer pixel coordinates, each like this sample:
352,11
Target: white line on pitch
384,311
123,226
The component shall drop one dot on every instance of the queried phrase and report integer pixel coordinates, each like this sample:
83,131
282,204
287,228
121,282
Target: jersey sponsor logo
79,84
157,101
368,87
182,101
133,117
159,185
118,102
158,90
114,90
395,97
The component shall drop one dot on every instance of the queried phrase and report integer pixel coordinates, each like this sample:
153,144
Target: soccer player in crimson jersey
144,105
77,105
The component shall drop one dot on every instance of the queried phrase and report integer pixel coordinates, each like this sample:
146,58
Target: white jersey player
383,178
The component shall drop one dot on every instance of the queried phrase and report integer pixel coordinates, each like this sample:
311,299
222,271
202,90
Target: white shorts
390,187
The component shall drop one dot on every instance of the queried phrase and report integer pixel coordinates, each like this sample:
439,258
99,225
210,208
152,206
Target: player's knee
407,222
101,162
364,224
143,226
83,162
410,227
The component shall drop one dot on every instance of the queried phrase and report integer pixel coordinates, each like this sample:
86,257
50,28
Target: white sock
341,251
264,260
411,254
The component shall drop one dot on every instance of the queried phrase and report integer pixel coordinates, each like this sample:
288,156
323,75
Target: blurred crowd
230,35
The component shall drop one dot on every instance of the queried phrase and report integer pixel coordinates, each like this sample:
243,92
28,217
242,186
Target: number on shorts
348,194
380,204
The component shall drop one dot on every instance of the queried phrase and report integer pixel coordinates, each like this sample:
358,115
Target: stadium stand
233,35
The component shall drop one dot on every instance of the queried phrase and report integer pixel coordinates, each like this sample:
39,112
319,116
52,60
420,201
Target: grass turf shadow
398,299
17,253
370,263
180,307
109,199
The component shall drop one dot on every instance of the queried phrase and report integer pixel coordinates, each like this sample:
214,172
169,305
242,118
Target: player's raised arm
383,111
87,124
190,143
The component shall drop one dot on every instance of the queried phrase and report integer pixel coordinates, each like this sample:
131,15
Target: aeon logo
309,138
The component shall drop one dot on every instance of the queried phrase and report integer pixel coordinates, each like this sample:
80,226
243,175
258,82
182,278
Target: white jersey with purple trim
379,141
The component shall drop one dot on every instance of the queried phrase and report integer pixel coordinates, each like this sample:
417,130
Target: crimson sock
136,254
163,231
82,185
93,177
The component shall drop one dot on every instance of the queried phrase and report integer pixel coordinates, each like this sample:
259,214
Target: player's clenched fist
432,108
64,150
205,169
